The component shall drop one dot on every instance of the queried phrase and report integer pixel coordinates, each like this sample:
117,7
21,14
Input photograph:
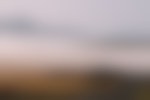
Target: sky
92,15
91,18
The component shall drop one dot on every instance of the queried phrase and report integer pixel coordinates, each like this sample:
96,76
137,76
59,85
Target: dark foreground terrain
72,86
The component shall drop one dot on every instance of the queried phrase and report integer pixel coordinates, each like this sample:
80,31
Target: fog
75,32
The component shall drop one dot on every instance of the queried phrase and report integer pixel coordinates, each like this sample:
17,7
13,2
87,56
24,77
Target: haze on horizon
65,31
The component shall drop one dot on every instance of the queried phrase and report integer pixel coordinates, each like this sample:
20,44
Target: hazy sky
93,17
